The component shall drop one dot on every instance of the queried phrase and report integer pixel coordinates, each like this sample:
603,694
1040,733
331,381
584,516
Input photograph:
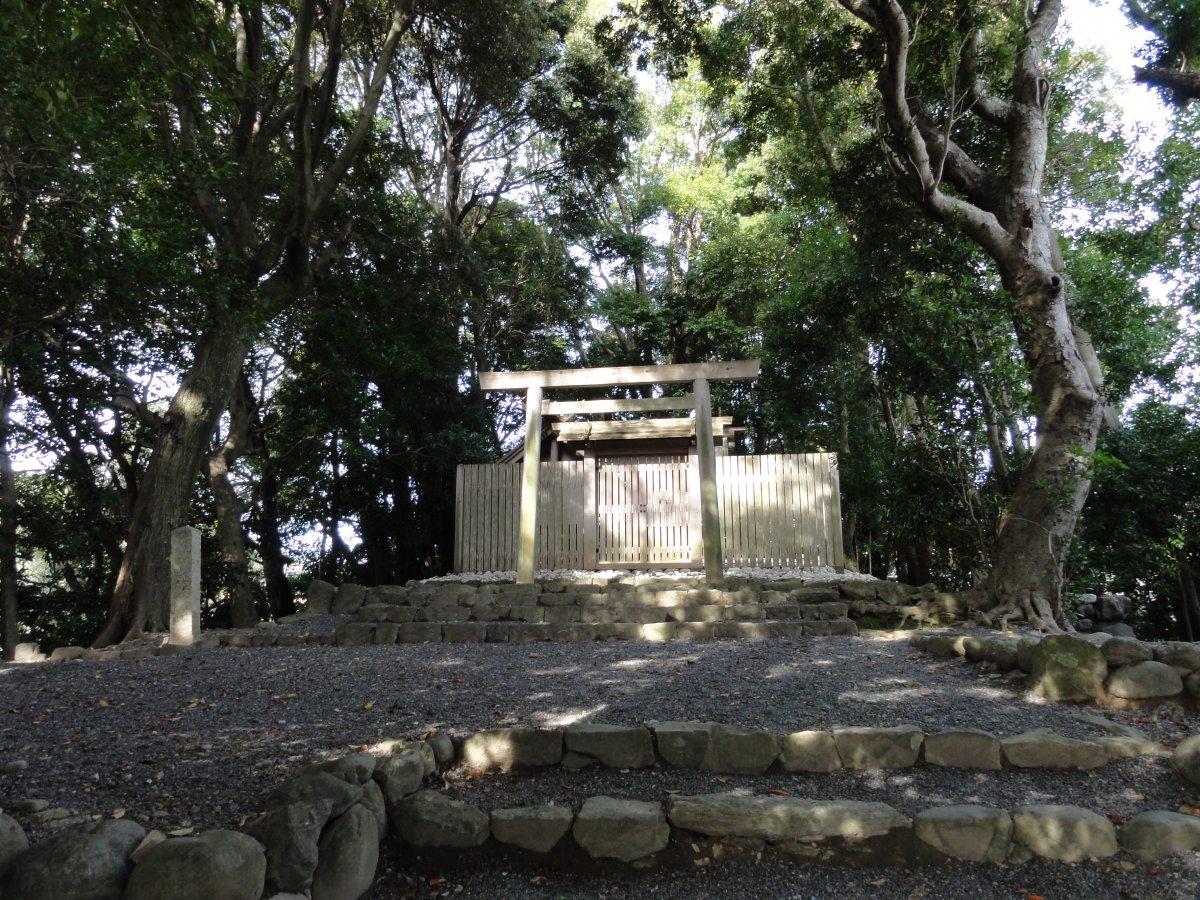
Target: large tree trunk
270,546
8,518
140,594
232,541
1039,521
230,535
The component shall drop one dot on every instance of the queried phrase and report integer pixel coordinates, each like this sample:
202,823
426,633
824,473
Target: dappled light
524,448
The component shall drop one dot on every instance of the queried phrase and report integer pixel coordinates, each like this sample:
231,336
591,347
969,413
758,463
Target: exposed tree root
1029,607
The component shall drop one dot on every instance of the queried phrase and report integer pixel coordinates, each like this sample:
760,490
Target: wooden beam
621,376
636,429
706,457
615,405
527,529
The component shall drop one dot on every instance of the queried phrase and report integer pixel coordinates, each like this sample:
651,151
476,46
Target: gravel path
198,741
405,873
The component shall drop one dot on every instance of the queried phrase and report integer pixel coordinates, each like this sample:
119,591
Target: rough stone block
353,634
1064,833
660,631
430,819
386,632
319,596
464,632
879,748
751,631
964,748
1068,668
615,746
607,828
1144,681
809,751
1151,835
740,751
349,598
972,833
835,627
1179,655
404,769
1121,651
391,594
217,863
505,749
618,631
420,632
446,613
1041,748
348,853
783,819
534,828
782,630
571,632
682,744
1185,760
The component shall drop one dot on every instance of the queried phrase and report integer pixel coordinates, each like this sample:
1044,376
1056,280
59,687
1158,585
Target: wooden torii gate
532,384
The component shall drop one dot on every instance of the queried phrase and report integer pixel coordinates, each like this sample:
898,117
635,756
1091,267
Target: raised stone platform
631,608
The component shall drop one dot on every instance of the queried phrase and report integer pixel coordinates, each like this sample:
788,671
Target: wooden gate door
645,511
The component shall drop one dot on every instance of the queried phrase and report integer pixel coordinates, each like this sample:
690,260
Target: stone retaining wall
599,608
320,831
1101,669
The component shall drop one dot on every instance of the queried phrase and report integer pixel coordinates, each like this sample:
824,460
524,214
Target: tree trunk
232,541
1037,525
1189,599
140,593
8,518
279,589
230,535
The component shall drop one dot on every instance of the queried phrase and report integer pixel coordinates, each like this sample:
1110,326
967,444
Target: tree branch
1183,87
402,21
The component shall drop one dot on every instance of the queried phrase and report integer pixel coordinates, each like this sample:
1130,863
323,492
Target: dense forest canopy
256,254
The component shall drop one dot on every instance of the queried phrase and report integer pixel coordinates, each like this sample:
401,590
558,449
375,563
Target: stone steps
615,612
521,632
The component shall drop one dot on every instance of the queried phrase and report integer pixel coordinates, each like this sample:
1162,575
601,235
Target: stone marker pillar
185,585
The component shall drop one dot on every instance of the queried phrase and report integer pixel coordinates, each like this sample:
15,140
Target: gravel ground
1119,789
178,741
403,873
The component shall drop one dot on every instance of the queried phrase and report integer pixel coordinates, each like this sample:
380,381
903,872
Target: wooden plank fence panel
775,510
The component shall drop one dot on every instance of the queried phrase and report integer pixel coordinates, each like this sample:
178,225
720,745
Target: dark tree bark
1004,214
230,535
1189,598
8,518
278,103
1183,86
140,594
280,599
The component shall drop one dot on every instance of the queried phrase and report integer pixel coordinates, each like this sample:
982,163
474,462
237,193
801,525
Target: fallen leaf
368,704
104,704
181,832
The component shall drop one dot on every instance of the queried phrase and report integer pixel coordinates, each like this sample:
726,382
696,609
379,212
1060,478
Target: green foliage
1143,517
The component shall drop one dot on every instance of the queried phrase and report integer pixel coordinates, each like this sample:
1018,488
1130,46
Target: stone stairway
636,608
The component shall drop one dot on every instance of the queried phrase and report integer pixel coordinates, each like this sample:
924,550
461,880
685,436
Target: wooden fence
776,510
